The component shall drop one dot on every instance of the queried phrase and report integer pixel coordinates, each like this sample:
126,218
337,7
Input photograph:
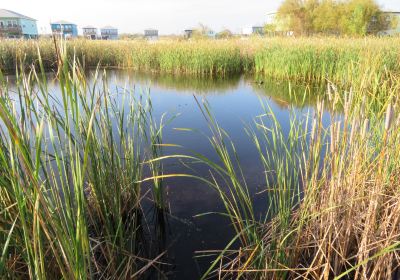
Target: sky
168,16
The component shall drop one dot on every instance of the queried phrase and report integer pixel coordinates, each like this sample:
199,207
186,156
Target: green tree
201,31
347,17
270,28
225,34
327,17
360,17
293,13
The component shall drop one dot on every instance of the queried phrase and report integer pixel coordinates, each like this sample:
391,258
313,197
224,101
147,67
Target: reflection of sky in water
235,102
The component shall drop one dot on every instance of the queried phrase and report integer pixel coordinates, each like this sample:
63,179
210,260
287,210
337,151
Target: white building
109,33
394,30
253,30
280,25
90,32
151,34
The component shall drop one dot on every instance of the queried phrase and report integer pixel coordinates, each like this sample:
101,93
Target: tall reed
71,166
332,192
344,61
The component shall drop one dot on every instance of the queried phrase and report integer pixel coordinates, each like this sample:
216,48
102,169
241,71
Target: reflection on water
235,102
180,83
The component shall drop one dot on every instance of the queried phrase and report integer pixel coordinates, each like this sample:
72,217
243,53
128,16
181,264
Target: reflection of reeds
70,167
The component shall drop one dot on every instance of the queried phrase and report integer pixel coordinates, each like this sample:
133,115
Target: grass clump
71,166
332,194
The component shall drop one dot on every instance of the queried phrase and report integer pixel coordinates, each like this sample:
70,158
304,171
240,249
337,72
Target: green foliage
270,28
201,32
350,17
225,34
70,172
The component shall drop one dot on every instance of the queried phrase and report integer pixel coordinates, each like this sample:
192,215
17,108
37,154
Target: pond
235,103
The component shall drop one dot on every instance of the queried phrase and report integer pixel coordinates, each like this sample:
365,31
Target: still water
235,103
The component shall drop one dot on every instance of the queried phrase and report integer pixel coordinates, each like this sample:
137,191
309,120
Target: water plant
326,188
71,166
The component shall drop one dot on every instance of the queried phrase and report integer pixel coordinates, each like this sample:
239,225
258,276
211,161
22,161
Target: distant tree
270,28
293,11
350,17
225,34
201,31
327,17
360,17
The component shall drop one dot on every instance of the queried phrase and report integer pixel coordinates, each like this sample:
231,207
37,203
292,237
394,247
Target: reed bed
194,58
71,167
339,60
333,195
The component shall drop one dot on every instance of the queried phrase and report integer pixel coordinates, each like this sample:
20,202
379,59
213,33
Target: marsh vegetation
84,171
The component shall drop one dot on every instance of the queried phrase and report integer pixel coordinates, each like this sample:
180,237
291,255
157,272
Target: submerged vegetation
77,169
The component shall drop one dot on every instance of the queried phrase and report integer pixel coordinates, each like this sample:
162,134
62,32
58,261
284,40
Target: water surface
235,102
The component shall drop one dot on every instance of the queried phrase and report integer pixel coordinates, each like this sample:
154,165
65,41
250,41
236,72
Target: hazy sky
168,16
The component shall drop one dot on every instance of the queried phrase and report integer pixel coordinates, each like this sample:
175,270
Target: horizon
168,16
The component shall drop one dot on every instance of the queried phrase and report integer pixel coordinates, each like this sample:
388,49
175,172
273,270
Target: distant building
90,32
15,25
278,26
64,28
394,30
271,18
254,30
151,34
211,34
188,33
258,30
109,33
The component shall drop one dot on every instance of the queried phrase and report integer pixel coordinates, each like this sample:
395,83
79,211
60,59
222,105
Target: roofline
70,23
21,16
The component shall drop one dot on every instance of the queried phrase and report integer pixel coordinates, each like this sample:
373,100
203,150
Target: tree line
335,17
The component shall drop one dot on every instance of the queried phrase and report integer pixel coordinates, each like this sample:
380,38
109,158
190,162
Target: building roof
10,14
108,27
89,27
63,22
391,12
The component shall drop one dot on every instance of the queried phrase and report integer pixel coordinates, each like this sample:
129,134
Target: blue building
65,29
15,25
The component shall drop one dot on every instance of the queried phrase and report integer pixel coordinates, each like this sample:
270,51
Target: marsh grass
71,166
332,193
355,62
